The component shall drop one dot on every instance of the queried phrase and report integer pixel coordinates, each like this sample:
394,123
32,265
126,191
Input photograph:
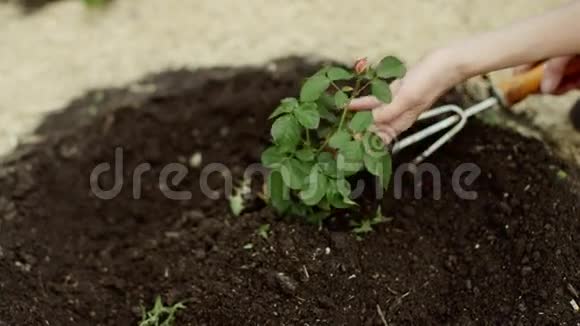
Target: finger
364,103
521,69
388,132
388,112
395,86
385,137
384,131
370,102
553,73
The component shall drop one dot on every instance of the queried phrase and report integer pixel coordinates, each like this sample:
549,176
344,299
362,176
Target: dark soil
509,257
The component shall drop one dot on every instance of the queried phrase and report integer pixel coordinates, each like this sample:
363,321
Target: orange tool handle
518,87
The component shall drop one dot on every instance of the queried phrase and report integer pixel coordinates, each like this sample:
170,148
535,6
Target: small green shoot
366,225
318,143
561,174
238,199
160,315
264,231
248,246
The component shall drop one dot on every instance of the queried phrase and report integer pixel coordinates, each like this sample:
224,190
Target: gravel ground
64,49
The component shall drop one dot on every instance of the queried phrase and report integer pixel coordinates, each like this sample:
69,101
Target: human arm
554,34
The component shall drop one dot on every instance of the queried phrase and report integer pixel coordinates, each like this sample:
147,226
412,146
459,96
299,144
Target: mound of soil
67,257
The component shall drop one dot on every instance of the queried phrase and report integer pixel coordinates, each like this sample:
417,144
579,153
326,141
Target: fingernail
385,138
549,85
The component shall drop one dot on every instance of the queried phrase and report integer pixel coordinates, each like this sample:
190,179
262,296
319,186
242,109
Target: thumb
553,73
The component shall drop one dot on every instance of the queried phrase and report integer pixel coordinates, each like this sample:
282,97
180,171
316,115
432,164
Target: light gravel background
65,49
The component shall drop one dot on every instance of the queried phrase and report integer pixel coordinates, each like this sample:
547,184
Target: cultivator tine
457,120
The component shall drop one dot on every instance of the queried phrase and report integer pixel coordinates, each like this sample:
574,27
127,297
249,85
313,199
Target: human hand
416,92
555,81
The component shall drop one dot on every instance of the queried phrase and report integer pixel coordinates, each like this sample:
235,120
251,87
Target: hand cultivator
510,91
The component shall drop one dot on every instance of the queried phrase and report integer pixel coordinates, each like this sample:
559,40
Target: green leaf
370,74
324,204
379,217
324,132
313,88
281,109
287,105
336,199
352,151
237,200
294,173
325,157
343,187
272,157
322,71
337,73
373,145
305,154
387,171
308,115
263,231
361,121
326,100
380,89
339,139
300,209
390,67
350,158
326,114
364,227
286,133
160,315
316,187
379,166
317,218
351,168
561,174
236,204
340,99
329,168
278,192
374,165
327,164
290,101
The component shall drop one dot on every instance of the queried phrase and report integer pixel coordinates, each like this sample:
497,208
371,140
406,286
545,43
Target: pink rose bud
361,65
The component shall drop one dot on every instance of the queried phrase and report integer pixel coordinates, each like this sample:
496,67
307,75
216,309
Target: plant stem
335,86
362,88
323,144
353,94
308,137
343,117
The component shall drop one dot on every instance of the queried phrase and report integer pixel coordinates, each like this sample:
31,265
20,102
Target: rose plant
317,143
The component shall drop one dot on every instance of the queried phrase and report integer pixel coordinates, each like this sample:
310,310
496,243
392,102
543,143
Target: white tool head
456,122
